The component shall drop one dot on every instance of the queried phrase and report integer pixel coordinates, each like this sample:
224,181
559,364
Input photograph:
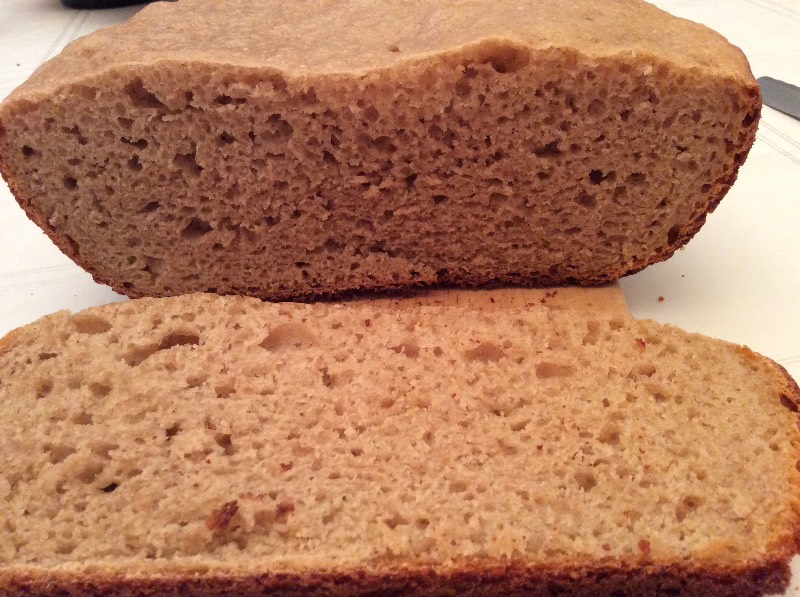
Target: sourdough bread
210,445
295,149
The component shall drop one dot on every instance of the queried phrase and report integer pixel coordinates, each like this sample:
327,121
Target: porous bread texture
292,150
200,444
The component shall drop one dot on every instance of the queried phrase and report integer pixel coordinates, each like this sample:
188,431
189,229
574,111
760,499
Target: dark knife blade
781,96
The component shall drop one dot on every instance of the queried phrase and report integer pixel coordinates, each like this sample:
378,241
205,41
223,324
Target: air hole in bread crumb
508,60
395,521
70,183
687,506
750,118
46,356
103,449
29,151
279,134
370,113
224,441
646,369
549,369
609,434
548,151
150,207
597,176
141,97
138,143
506,448
86,323
520,425
90,472
327,380
110,487
592,333
596,107
286,336
457,487
225,100
65,548
439,199
636,179
43,388
224,390
134,164
485,352
83,418
392,48
408,348
172,430
154,266
137,354
657,392
226,138
178,339
673,234
187,163
58,452
196,228
586,480
384,145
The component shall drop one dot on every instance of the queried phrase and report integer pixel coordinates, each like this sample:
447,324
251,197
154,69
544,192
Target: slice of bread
206,444
294,149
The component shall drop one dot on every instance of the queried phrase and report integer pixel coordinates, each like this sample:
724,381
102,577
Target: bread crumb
660,299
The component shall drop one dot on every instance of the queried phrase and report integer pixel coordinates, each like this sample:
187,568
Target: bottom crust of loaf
754,578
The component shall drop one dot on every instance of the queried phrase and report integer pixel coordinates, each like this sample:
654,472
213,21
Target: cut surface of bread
204,444
295,149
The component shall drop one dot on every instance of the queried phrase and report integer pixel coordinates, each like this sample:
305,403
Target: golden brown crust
753,578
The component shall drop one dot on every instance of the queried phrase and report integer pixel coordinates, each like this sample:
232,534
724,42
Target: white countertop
738,279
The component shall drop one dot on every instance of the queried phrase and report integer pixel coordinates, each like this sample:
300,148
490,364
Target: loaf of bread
207,445
300,149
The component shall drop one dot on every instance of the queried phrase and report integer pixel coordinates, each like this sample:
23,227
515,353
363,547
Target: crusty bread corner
203,444
296,150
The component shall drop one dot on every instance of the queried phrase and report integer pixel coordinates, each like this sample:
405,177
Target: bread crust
751,579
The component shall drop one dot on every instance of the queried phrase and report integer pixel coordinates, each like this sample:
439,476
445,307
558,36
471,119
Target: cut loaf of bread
294,149
220,445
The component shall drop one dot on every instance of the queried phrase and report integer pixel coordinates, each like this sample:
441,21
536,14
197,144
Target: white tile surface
739,279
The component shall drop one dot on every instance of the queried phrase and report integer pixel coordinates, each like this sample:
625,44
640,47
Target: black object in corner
100,3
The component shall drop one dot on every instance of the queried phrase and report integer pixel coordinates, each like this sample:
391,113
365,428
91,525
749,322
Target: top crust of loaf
359,36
